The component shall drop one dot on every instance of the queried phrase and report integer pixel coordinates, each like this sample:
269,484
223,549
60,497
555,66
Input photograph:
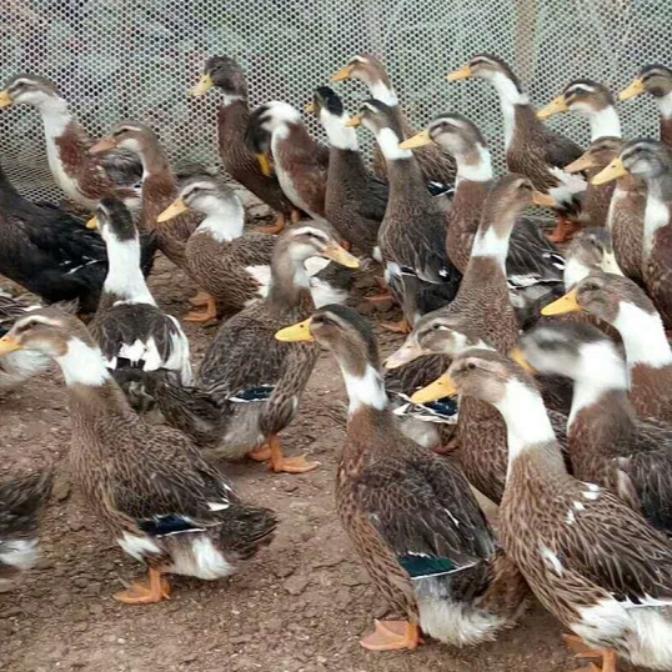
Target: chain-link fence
137,59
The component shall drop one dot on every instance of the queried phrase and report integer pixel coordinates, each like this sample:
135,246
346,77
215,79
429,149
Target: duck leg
582,650
564,230
155,590
291,465
261,453
209,313
392,636
400,327
278,225
296,216
199,299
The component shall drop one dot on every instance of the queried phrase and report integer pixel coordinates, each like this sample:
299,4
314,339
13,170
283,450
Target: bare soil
300,606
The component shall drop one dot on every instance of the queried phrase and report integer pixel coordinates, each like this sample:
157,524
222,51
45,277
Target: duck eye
471,366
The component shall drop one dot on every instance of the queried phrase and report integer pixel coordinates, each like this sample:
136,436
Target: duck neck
664,104
527,424
233,100
604,123
224,221
657,212
55,117
575,271
339,135
365,389
474,165
643,336
290,283
83,365
403,171
492,238
382,90
601,372
125,281
154,161
509,99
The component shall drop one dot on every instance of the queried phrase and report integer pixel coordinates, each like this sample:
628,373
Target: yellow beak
340,255
565,304
418,140
440,388
519,358
265,164
8,344
613,171
103,145
5,99
408,352
204,85
309,108
637,88
177,207
93,224
584,162
556,106
354,121
344,73
543,200
297,332
463,73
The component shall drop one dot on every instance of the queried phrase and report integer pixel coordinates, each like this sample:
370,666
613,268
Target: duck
651,161
227,76
19,366
655,79
235,266
607,443
129,327
159,498
435,165
249,385
355,199
621,303
590,99
532,149
22,500
481,315
625,213
159,187
534,264
411,235
591,249
83,178
595,564
413,553
51,253
300,162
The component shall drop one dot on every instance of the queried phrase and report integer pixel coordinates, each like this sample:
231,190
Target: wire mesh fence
136,59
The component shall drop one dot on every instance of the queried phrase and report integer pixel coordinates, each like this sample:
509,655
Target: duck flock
535,377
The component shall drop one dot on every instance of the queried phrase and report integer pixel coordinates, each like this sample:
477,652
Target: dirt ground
300,606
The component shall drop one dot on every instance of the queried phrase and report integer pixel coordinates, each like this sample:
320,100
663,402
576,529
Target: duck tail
22,499
248,529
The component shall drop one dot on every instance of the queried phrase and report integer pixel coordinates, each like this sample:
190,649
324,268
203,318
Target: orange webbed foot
392,636
156,590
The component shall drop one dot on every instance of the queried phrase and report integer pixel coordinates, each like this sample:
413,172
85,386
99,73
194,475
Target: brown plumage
83,177
606,442
233,114
159,498
435,165
595,564
409,513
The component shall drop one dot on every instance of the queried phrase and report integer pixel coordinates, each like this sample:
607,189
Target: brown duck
410,514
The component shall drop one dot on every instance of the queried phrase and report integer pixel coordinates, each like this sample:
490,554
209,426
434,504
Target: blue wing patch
421,566
163,526
258,393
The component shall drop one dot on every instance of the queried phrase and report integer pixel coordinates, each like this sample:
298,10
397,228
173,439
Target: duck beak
463,73
440,388
344,73
543,200
418,140
556,106
265,164
637,88
519,358
103,145
354,121
584,162
9,344
565,304
177,207
408,352
5,99
309,108
610,265
340,255
92,224
297,332
204,85
613,171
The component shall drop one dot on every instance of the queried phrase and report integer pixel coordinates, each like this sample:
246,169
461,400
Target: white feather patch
19,553
137,547
83,364
643,335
